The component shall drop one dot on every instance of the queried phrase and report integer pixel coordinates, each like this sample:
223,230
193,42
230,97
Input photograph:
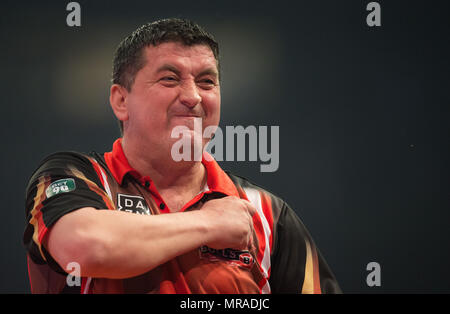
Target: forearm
143,244
114,244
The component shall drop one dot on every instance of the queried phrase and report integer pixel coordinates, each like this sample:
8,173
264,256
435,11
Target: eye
206,83
168,78
169,81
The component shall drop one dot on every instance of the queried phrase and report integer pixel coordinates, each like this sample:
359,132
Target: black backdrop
363,115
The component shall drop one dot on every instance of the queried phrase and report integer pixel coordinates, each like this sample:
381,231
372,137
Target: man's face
177,85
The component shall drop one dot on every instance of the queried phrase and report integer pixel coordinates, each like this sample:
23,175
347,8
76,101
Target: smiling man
136,221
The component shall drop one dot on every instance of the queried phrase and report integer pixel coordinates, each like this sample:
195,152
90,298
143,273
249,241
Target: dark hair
129,57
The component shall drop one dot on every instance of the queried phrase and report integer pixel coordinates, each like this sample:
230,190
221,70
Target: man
136,221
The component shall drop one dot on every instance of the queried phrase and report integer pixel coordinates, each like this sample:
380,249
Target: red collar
217,179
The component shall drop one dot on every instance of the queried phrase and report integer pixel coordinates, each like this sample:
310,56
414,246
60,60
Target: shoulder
261,194
63,163
280,215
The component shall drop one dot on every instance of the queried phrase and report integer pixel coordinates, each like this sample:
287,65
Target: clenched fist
229,222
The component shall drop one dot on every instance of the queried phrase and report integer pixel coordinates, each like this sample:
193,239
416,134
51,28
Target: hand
230,223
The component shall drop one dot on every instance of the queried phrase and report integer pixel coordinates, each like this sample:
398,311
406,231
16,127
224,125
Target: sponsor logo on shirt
132,204
60,186
230,256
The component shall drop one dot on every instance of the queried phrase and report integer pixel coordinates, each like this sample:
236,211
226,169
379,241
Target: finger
250,243
251,209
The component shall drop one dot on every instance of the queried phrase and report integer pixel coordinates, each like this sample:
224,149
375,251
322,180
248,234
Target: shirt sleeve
297,264
62,183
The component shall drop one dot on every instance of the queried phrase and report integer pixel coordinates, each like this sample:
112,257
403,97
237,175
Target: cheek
211,103
151,108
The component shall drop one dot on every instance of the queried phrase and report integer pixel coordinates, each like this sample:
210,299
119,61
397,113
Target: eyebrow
168,67
171,68
209,71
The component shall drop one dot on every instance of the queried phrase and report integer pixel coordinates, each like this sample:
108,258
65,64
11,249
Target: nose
189,95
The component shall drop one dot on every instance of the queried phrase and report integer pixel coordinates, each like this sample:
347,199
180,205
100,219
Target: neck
166,173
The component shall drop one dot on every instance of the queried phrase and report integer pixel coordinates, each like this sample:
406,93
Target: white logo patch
132,204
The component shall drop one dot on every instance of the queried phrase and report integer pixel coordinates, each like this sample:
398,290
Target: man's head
166,75
130,55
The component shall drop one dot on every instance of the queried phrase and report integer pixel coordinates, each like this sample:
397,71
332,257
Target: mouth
189,120
187,116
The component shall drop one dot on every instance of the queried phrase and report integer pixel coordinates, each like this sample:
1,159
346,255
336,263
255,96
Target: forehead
193,57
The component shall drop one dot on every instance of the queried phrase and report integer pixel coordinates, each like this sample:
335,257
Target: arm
69,225
95,238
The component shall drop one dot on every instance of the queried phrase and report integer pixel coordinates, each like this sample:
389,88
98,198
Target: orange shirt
68,181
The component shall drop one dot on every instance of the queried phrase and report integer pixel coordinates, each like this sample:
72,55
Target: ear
117,100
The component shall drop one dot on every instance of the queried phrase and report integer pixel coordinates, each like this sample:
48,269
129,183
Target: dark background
363,115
